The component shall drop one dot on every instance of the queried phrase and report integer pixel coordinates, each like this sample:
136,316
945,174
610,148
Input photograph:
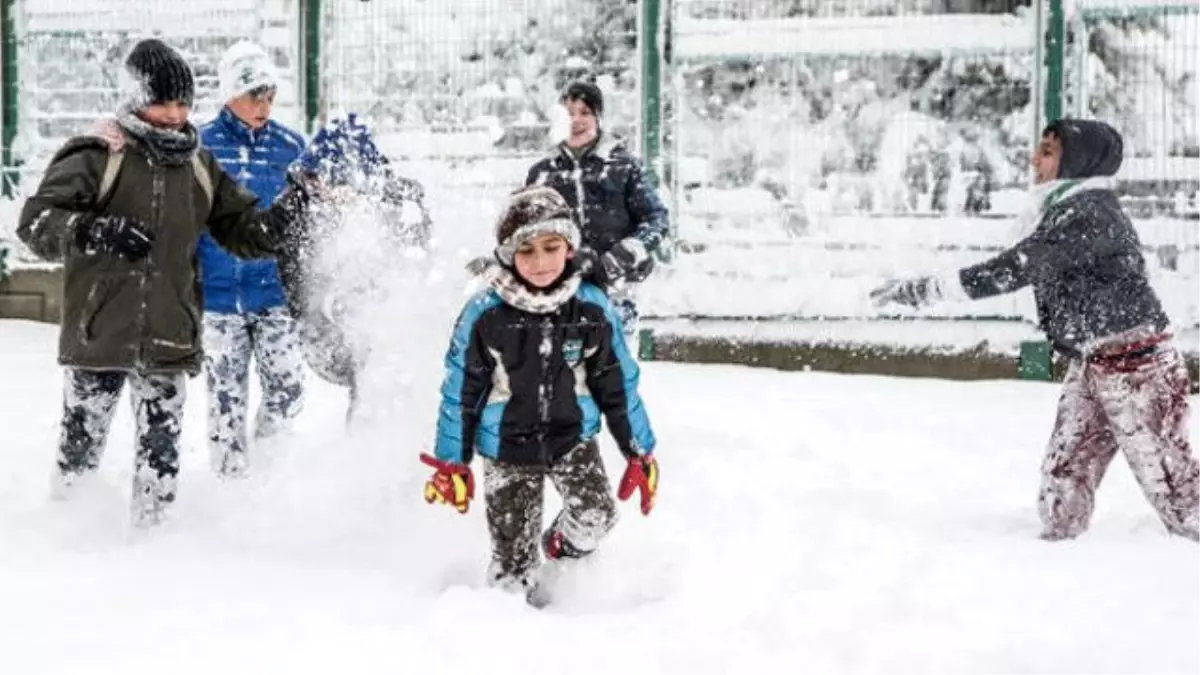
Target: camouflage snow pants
230,341
514,495
1135,402
89,402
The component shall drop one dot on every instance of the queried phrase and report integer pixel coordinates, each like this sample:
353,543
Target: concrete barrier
33,293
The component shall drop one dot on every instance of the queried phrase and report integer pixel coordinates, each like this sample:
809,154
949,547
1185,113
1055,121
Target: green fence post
8,89
651,84
311,23
645,344
1055,54
1035,361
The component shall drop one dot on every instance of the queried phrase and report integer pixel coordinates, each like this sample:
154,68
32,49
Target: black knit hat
160,73
586,93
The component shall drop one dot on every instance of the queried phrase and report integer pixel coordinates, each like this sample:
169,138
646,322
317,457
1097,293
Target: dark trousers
514,495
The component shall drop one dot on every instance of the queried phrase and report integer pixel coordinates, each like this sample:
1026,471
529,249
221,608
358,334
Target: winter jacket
526,388
142,315
258,159
1084,259
609,193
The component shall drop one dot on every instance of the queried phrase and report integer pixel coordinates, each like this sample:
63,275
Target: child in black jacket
1126,388
534,361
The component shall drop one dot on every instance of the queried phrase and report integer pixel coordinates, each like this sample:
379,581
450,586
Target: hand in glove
479,265
451,483
641,474
588,262
628,259
913,293
124,237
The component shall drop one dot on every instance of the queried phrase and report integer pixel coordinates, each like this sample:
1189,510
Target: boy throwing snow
1126,387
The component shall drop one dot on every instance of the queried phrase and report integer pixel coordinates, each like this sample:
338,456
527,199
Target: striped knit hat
531,212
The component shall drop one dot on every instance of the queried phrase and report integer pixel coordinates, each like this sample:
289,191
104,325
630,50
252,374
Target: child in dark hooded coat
1126,387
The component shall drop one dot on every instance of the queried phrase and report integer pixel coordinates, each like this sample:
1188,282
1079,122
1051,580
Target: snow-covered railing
853,36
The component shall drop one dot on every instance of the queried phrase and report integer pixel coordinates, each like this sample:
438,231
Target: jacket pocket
98,297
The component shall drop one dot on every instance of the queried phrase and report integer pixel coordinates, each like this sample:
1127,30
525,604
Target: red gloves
641,474
451,483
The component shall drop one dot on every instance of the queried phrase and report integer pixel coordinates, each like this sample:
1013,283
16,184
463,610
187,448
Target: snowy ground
788,534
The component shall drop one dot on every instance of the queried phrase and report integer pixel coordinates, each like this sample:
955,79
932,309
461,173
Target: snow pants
230,341
89,402
514,495
1128,395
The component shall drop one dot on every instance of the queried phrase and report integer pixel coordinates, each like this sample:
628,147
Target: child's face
541,260
584,125
253,108
169,115
1046,158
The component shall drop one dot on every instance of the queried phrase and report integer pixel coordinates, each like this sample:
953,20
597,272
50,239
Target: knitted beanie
157,74
244,68
586,93
531,212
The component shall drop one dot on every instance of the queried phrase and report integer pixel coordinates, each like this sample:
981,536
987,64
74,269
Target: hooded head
1089,148
530,213
343,151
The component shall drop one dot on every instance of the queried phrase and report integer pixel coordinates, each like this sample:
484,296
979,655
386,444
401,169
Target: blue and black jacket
526,388
259,160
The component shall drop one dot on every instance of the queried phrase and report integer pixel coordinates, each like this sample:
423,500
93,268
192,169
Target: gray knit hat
531,212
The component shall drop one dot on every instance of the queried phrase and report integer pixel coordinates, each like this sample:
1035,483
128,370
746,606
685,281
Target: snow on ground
829,522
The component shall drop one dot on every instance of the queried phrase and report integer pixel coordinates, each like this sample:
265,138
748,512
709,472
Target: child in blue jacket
534,361
245,310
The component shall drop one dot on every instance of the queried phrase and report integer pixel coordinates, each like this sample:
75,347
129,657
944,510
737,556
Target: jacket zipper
577,179
545,387
147,264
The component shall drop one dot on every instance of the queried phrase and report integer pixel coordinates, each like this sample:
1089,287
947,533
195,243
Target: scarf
516,293
1044,196
167,146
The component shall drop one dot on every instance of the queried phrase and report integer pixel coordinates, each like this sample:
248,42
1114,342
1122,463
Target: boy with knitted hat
533,362
623,222
122,209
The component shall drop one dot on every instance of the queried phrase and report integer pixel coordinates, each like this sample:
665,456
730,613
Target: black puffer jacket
608,192
1084,260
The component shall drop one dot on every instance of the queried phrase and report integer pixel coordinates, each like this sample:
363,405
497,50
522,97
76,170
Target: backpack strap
203,177
112,167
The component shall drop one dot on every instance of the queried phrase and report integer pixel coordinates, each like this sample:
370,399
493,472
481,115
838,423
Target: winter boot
556,547
152,495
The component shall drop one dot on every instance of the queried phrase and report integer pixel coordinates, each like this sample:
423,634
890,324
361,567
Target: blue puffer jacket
258,159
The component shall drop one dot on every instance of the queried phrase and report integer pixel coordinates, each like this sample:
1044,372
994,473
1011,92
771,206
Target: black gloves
915,293
627,260
120,236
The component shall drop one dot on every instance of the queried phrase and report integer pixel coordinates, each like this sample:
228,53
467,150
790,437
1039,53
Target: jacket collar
602,147
242,131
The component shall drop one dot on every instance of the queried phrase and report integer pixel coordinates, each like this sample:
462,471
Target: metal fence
1138,64
773,124
452,81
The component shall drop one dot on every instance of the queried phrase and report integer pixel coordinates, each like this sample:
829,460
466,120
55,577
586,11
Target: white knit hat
245,67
